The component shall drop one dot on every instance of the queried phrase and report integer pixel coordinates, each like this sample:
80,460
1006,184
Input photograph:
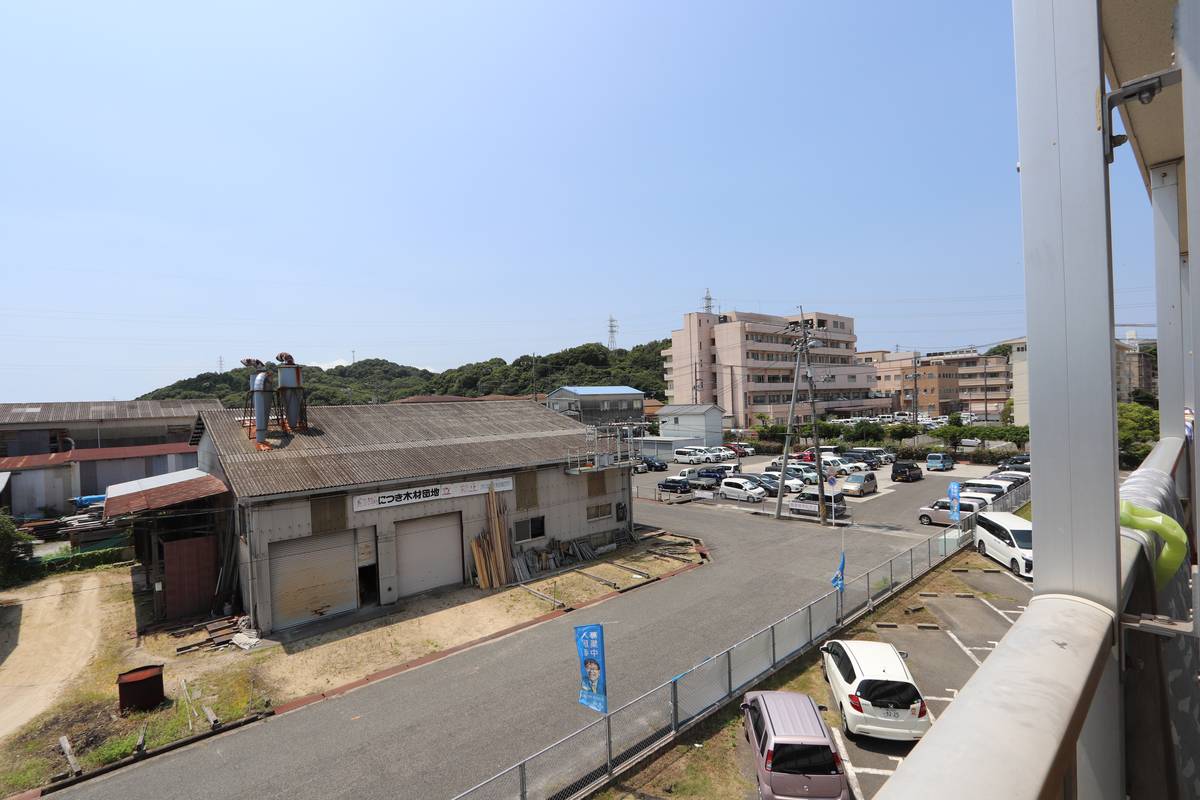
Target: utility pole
803,345
985,390
914,397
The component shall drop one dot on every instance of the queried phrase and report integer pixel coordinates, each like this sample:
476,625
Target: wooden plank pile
492,549
219,634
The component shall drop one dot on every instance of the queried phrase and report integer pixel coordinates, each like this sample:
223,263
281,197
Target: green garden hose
1174,539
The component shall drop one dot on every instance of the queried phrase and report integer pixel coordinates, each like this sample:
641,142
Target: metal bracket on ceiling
1144,90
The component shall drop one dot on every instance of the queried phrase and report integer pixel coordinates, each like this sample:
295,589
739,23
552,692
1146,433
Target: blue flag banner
839,577
955,490
593,693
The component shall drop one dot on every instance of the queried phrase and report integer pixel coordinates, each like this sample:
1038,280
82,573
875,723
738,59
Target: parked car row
796,755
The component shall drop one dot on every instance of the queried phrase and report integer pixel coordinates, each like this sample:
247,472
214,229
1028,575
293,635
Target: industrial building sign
402,497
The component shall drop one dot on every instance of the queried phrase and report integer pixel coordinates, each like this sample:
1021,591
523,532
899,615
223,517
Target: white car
875,692
984,500
1006,538
741,489
790,485
726,453
689,455
714,454
841,466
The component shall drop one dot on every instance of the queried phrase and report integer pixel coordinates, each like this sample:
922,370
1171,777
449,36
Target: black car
906,471
1015,461
654,464
675,485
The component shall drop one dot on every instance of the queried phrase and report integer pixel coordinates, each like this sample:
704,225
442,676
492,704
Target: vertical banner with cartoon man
589,641
955,492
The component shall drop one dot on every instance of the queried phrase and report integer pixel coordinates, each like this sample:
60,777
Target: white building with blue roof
598,405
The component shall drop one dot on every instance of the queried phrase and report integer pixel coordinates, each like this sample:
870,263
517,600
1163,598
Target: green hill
377,380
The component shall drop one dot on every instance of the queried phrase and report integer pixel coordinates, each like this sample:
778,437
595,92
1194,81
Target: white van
741,489
885,419
689,455
1006,538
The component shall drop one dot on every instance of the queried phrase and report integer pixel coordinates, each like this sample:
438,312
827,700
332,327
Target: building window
526,529
527,490
604,405
601,511
676,419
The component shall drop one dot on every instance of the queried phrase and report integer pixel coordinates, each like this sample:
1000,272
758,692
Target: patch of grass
1025,511
111,750
26,774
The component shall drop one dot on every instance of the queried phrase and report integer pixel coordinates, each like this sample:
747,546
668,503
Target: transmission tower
707,301
612,332
220,365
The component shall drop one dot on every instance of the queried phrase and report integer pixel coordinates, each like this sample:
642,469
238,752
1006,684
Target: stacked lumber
219,633
491,549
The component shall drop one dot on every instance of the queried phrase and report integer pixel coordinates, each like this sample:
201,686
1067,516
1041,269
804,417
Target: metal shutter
312,577
429,553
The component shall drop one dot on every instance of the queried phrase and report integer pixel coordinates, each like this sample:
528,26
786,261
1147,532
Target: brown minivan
794,754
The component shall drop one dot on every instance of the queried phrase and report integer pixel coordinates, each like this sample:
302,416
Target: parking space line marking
963,647
1022,583
897,759
942,699
1003,616
872,771
851,775
953,692
981,647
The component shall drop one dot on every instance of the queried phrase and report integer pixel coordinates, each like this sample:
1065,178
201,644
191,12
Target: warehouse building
36,428
371,504
598,405
42,485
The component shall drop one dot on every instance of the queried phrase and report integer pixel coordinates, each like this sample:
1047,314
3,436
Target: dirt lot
48,633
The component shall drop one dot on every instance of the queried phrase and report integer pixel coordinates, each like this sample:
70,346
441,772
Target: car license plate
891,713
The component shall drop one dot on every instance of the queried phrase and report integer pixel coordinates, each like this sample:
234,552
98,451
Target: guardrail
590,757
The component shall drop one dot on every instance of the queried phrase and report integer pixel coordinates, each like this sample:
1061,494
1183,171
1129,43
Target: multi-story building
598,405
744,363
984,382
1137,367
896,372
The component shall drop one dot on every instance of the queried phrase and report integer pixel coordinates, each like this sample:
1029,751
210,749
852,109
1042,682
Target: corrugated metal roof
699,408
26,413
161,491
356,445
43,460
585,390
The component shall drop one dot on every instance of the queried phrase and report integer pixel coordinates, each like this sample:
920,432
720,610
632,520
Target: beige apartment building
895,373
984,382
744,363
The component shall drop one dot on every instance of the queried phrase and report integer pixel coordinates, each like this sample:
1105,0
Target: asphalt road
437,730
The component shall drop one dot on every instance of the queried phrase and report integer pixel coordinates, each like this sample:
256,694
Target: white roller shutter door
312,577
428,553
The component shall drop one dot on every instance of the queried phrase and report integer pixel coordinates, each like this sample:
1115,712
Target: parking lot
941,660
893,507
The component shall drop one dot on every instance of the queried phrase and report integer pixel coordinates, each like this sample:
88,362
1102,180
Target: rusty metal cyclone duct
291,390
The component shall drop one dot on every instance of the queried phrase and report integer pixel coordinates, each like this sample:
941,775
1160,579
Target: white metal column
1164,200
1068,284
1187,56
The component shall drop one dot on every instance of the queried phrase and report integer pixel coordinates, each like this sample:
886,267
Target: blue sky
447,182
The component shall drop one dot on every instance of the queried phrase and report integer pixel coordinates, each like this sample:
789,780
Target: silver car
938,512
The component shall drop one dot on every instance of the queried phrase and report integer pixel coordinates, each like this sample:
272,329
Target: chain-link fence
589,757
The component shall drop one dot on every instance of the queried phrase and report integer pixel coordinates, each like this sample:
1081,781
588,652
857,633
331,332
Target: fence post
929,552
912,571
729,671
772,645
524,782
870,600
608,739
891,575
810,639
674,705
